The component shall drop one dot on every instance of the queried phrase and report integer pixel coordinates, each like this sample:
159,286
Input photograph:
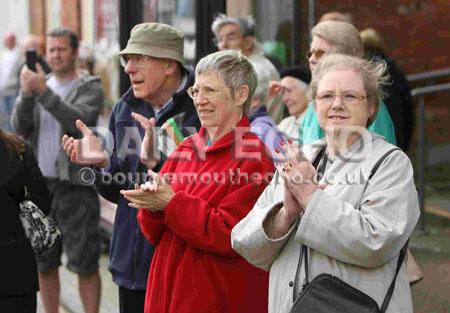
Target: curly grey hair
246,25
373,75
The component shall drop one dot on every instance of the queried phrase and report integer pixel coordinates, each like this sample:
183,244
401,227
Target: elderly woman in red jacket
205,188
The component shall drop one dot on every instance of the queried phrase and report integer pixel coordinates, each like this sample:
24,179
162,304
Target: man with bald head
36,43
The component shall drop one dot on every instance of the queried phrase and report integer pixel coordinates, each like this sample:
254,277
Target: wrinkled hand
153,196
292,209
33,82
298,172
149,152
85,151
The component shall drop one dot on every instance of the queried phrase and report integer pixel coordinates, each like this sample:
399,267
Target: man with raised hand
47,109
153,59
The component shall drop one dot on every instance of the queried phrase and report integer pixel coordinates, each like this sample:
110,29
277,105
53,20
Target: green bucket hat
156,40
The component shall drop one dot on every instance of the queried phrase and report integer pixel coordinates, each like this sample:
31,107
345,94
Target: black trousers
18,303
131,301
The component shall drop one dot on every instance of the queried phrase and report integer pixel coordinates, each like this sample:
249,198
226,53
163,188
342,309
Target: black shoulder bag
40,229
329,294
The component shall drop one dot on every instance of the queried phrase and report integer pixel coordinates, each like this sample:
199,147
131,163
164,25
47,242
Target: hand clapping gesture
149,154
298,172
85,151
153,195
299,185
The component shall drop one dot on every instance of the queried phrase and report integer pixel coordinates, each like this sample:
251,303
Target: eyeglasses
226,37
317,52
346,97
207,92
137,59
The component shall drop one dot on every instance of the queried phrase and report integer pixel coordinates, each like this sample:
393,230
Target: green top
311,131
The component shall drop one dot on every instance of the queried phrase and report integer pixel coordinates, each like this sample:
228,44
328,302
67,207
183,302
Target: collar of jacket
199,140
360,149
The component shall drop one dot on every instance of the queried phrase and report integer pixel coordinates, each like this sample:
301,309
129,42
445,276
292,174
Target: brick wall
417,37
417,33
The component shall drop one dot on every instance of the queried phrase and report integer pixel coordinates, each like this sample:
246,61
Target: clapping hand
85,151
298,172
149,155
153,195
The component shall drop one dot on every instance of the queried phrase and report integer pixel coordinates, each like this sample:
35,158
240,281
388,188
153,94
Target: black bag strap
390,291
380,161
26,195
321,156
304,251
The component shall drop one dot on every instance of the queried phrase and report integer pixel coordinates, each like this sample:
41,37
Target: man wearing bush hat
153,59
156,40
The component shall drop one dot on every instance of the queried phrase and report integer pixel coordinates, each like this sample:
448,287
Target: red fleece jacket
194,269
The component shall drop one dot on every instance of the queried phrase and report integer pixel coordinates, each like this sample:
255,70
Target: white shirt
7,61
290,126
49,142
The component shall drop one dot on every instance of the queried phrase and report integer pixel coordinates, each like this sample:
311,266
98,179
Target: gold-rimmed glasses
348,97
207,92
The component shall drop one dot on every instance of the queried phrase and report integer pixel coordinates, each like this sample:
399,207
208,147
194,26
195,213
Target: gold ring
287,166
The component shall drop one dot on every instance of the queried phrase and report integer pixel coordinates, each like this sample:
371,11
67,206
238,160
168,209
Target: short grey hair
373,75
246,25
343,36
233,68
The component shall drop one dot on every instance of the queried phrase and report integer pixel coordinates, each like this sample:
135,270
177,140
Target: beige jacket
354,230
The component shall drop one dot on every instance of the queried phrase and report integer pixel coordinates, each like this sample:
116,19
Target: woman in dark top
18,271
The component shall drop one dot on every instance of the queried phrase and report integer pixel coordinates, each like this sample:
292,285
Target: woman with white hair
348,201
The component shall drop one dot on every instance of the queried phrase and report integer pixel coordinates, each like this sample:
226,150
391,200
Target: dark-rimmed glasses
137,59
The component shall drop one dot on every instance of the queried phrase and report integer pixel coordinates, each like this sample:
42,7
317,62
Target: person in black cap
294,89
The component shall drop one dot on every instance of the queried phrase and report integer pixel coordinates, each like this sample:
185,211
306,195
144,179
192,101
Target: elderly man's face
317,50
147,75
230,37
